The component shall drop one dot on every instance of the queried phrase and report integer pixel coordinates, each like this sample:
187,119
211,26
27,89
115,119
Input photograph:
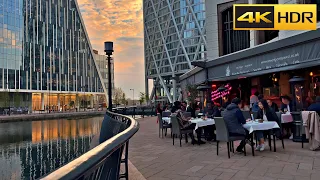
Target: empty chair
166,114
176,129
281,130
162,126
222,134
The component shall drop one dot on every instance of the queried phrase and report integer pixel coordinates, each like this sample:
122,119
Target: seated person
267,114
273,105
234,121
255,106
185,123
315,106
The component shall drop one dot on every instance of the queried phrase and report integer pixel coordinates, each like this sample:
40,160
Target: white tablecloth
286,118
256,126
166,119
200,122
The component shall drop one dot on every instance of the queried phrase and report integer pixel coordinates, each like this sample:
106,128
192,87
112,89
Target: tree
123,99
117,96
142,97
192,92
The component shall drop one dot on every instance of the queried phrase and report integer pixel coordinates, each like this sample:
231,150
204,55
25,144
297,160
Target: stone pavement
158,159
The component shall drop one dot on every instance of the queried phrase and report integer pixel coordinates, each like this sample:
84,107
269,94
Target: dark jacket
283,106
234,119
271,116
274,106
315,107
192,110
217,112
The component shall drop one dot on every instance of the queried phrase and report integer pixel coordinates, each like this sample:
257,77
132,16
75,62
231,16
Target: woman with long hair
267,114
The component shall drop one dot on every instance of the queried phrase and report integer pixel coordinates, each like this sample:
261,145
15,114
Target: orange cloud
120,21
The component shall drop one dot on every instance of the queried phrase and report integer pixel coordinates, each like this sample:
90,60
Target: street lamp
132,96
108,49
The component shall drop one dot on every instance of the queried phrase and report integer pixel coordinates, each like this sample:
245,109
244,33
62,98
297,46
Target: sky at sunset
120,21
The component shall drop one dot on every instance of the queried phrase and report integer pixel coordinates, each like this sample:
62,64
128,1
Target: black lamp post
108,49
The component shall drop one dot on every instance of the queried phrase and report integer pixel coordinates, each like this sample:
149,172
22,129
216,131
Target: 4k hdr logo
275,17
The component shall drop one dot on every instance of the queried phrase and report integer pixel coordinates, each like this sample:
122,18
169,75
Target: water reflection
29,150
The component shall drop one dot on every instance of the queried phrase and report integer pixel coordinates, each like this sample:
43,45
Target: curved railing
136,111
103,161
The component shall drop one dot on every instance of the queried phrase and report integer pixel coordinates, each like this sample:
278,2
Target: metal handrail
92,164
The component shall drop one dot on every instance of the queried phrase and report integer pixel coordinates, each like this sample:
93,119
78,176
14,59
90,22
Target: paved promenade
158,159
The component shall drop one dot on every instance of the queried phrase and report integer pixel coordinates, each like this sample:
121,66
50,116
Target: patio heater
204,89
296,84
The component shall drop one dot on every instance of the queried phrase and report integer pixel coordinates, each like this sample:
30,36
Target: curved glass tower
174,36
46,60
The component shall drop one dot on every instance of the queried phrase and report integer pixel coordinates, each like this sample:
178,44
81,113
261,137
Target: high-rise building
102,64
46,59
174,36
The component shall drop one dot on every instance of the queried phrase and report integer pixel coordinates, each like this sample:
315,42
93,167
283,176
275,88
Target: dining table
202,122
252,126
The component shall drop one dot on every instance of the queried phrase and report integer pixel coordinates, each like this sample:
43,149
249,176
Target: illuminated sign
217,94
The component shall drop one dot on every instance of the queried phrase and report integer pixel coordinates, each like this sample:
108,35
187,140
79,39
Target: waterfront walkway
158,159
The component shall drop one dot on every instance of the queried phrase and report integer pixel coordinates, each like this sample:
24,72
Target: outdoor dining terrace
158,159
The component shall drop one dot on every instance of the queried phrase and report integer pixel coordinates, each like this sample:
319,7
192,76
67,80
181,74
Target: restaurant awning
295,52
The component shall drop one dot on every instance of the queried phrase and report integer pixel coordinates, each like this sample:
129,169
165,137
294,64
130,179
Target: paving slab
157,158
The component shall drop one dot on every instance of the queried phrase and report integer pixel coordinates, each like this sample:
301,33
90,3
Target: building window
317,2
233,40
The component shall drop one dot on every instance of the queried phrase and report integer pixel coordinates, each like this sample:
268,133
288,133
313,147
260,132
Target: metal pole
109,84
133,97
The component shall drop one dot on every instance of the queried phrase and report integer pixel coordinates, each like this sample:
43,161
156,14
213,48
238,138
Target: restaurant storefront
266,68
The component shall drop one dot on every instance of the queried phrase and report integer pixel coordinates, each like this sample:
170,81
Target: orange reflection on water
54,129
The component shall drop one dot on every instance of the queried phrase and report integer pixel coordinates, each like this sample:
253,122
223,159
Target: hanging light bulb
275,79
311,74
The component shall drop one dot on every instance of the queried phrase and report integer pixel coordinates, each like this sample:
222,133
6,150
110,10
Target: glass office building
46,60
174,36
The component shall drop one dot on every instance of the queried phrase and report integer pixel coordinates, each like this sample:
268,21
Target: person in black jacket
267,114
273,105
286,105
192,108
315,106
234,121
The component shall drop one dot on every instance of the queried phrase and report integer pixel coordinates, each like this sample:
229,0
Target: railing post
125,175
134,112
143,112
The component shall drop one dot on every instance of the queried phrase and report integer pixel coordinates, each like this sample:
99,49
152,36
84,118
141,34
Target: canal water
29,150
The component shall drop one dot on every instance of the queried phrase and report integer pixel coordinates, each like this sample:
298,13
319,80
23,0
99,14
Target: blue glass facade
44,47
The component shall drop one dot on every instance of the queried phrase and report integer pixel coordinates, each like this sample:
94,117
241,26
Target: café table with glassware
200,122
261,125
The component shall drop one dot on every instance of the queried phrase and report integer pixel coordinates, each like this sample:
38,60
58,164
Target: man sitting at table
234,120
185,123
315,106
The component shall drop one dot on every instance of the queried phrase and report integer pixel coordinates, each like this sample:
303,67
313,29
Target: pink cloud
120,21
